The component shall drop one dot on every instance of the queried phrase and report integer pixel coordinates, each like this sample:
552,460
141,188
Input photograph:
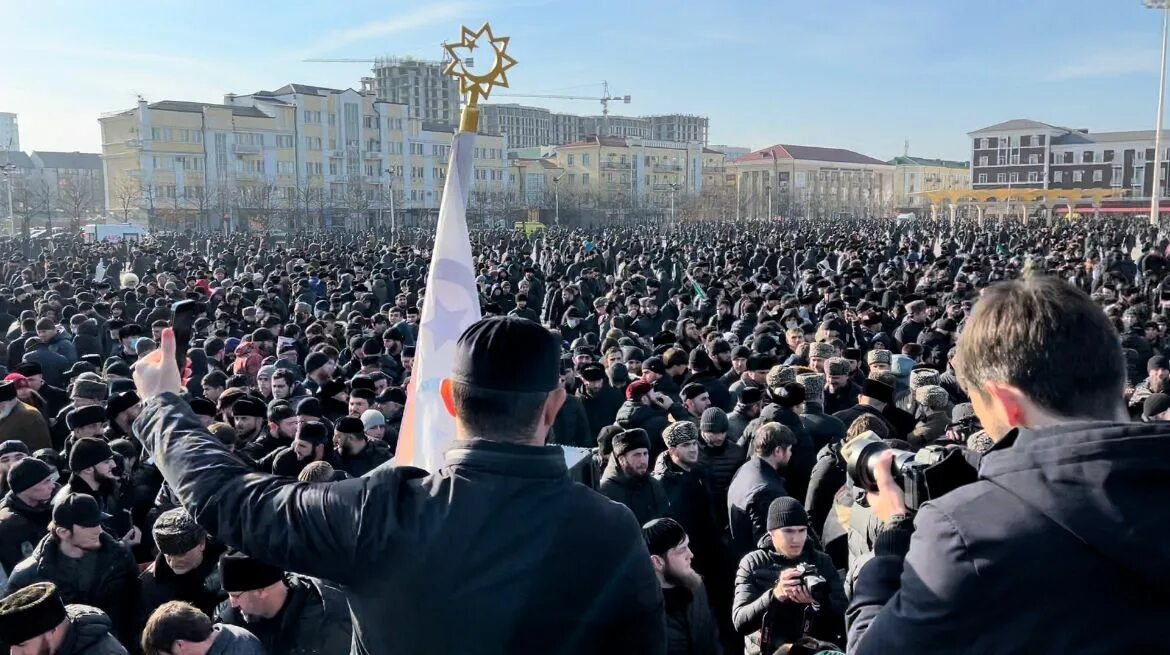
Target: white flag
451,305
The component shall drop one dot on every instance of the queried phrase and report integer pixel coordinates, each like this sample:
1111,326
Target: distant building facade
9,132
421,85
811,181
913,175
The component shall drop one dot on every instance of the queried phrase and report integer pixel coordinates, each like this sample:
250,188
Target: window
284,141
571,160
371,170
982,143
1087,157
1039,139
1015,178
1015,159
1033,159
1001,160
333,168
313,168
1139,175
1108,156
311,116
1115,176
983,160
1001,178
1139,155
1098,175
1068,158
1025,140
983,178
332,119
369,122
585,159
1058,176
190,136
1077,176
286,167
584,179
1034,176
164,163
161,134
249,139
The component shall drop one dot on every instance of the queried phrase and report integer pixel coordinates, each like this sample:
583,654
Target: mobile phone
183,325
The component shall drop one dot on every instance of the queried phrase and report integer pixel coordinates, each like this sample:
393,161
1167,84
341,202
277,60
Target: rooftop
1017,124
924,161
68,160
16,158
198,107
812,153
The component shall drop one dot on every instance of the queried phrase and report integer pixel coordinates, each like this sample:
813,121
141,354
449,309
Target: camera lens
859,454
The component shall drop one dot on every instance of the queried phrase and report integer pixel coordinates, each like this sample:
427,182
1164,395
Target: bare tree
356,202
74,196
126,191
258,201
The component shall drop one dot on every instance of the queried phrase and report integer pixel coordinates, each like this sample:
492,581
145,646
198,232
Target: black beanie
662,534
87,452
786,512
628,440
878,390
240,573
314,432
350,425
714,420
120,403
27,473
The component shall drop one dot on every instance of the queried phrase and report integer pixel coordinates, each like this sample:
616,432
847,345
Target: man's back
499,544
1058,526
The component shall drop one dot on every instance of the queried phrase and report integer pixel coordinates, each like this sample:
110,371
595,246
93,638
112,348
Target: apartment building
811,181
632,172
421,85
522,126
914,175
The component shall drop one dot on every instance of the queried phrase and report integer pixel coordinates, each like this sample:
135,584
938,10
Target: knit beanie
88,452
663,534
786,512
814,387
714,420
679,433
315,361
27,473
629,440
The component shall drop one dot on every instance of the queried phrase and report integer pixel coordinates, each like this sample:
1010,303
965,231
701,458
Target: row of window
1076,177
1025,141
167,135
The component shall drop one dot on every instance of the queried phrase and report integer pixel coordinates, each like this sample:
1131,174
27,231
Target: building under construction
419,84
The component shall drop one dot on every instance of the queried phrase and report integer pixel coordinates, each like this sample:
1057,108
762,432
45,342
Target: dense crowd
724,375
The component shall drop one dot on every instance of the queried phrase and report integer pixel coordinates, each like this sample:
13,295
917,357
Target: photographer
787,589
1057,527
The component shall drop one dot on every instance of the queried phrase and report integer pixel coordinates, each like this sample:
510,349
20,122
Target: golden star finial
478,87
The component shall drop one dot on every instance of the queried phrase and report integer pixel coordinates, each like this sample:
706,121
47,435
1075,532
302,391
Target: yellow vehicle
529,226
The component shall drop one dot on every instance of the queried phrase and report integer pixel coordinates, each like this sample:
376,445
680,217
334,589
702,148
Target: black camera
817,585
925,475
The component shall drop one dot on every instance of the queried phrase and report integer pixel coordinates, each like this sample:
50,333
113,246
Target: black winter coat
822,428
201,587
721,463
755,485
21,528
691,628
650,418
372,456
688,494
804,453
411,549
600,408
644,496
113,588
314,620
571,427
767,623
1064,521
89,633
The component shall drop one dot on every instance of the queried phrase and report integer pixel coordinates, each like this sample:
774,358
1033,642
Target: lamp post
1163,5
673,189
8,170
390,188
768,190
556,199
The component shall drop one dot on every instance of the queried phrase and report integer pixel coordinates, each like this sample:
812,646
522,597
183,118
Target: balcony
241,149
615,166
371,154
335,154
247,175
667,168
135,143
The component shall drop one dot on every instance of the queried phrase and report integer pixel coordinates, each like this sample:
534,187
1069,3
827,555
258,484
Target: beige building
810,181
300,156
913,175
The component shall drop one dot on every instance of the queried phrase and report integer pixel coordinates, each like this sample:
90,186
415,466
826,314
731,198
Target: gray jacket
233,640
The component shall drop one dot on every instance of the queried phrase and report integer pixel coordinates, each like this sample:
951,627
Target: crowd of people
724,376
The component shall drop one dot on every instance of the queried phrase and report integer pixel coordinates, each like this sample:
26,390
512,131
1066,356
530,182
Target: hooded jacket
89,633
1063,522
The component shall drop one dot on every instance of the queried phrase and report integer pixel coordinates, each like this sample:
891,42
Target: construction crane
605,98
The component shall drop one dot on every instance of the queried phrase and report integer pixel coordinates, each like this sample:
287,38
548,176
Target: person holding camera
1062,524
787,589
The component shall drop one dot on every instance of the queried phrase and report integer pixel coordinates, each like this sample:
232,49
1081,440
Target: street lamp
673,188
8,170
557,199
1163,5
390,187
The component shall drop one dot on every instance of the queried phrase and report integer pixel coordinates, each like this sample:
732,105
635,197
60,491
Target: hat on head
751,395
240,573
877,357
313,432
741,352
120,403
1157,362
877,390
980,442
83,416
13,446
714,420
7,391
77,509
780,375
175,532
963,412
786,512
249,406
592,373
315,361
921,377
28,369
1155,404
679,433
507,353
838,366
663,534
372,418
202,407
932,396
814,387
278,410
88,452
654,365
17,380
362,393
720,347
629,440
395,395
27,473
692,390
760,362
89,389
30,612
331,388
117,368
350,425
310,406
821,350
638,388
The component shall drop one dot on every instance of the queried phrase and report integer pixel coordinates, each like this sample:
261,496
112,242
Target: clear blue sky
859,75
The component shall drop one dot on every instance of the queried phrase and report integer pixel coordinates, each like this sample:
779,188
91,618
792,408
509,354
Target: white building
9,132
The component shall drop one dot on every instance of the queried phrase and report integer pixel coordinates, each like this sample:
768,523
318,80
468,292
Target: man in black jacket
690,626
36,620
627,478
186,569
1068,492
756,484
410,548
25,510
688,490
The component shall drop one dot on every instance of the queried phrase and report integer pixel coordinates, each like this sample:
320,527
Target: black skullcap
314,432
309,406
249,406
367,395
877,390
507,353
77,509
28,473
654,365
751,395
1158,362
361,382
692,390
30,612
663,534
315,361
202,407
89,451
240,573
786,512
120,403
741,352
13,446
592,373
350,425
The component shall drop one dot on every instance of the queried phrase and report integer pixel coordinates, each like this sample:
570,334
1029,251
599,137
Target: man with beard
310,445
360,399
25,510
691,628
598,398
248,418
185,569
318,371
282,429
627,480
93,473
357,454
87,564
290,614
35,621
334,400
1158,372
747,409
284,384
720,456
687,489
756,484
840,392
